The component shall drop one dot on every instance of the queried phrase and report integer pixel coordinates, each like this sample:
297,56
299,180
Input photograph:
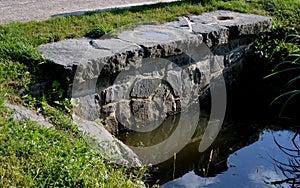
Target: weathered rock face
21,113
153,70
140,76
223,26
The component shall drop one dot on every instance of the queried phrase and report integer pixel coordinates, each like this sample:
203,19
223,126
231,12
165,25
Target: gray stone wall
140,76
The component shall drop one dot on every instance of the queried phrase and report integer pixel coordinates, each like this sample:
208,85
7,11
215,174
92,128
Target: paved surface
27,10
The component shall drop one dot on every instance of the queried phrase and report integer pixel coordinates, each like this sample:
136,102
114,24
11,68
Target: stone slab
143,75
21,113
113,149
231,25
221,26
158,40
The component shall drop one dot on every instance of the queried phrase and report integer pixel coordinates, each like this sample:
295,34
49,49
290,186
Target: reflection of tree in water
291,168
232,137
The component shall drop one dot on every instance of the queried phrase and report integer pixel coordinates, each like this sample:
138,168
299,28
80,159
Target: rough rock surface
125,72
221,26
22,113
143,75
112,148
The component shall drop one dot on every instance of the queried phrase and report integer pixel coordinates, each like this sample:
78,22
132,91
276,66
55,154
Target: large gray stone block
144,74
221,26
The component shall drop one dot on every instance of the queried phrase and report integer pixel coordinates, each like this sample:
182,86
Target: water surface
251,166
243,155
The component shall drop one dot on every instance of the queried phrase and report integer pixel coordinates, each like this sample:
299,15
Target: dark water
244,154
254,165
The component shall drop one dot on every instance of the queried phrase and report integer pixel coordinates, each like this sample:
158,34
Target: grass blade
292,81
281,71
292,93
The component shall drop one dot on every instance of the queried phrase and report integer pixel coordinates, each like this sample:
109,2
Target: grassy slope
32,156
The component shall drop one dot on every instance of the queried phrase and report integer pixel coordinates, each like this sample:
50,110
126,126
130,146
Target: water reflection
212,161
291,168
243,155
261,164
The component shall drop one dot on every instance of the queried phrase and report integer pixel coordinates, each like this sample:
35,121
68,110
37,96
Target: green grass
289,70
33,156
18,40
